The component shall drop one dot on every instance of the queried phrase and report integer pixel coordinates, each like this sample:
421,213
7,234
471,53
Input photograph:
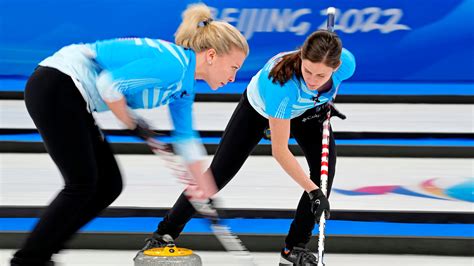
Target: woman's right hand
319,204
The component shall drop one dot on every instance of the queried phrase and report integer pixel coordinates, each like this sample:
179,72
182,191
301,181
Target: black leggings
92,179
243,133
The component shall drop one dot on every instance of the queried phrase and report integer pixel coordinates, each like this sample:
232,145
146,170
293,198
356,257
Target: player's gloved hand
325,108
142,130
206,207
320,112
319,204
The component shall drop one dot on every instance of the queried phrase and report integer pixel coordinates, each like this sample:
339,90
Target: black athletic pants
92,179
243,133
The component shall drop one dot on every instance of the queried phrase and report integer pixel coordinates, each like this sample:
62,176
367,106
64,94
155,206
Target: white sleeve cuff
191,150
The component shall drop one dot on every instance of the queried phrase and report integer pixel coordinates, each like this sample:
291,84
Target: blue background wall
393,40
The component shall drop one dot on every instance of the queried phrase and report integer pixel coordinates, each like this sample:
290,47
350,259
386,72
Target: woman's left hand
319,204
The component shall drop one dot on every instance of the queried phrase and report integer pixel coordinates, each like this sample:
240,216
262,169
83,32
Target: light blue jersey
147,72
293,98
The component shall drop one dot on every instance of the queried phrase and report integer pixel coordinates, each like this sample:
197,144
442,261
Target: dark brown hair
321,46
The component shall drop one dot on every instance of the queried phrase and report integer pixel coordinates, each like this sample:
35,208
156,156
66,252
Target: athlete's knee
221,176
80,190
111,191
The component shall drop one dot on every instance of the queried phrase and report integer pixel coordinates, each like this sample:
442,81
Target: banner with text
393,40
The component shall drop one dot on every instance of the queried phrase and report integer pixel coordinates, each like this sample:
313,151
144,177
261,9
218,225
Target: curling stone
167,256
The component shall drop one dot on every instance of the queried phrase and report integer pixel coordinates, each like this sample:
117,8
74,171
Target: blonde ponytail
200,32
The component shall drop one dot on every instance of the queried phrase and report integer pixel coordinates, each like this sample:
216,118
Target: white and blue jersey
147,72
293,98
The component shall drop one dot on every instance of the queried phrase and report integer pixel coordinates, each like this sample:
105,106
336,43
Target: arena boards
361,184
431,118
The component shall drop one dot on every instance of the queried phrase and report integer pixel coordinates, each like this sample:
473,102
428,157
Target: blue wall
393,40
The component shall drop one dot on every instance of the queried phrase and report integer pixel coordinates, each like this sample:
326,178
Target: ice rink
119,258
